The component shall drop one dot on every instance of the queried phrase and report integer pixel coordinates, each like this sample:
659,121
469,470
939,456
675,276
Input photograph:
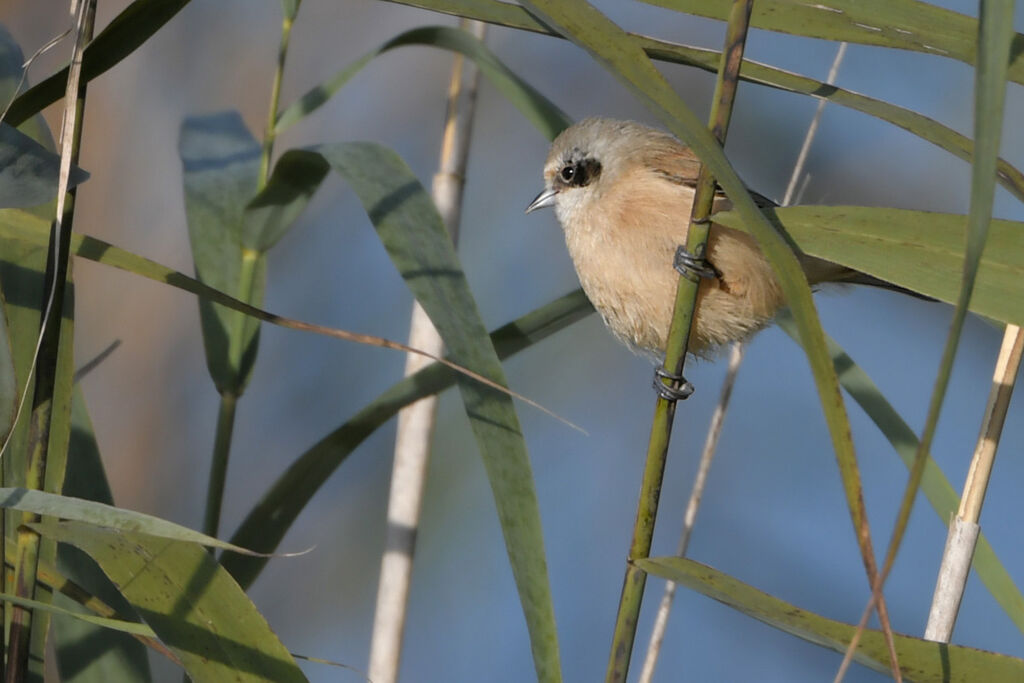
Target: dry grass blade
28,63
103,252
383,343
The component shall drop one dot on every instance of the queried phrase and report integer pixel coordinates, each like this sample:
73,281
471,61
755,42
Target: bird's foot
693,266
679,389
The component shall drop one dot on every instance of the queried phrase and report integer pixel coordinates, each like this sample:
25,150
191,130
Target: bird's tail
820,271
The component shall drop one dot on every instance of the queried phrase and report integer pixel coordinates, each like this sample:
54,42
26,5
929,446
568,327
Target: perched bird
623,193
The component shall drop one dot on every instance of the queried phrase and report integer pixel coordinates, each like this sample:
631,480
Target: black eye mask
579,173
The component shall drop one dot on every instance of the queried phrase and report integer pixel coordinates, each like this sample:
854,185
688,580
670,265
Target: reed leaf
900,24
104,623
513,16
920,250
269,520
221,161
995,40
89,651
272,212
540,111
103,515
28,170
22,229
415,238
189,601
920,660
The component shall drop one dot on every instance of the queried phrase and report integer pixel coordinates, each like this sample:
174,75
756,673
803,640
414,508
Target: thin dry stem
28,63
812,130
416,422
992,427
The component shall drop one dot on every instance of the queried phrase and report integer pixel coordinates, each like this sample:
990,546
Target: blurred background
774,514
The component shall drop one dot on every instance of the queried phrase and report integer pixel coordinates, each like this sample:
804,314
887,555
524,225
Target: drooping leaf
192,604
269,520
540,111
919,250
414,235
221,161
920,660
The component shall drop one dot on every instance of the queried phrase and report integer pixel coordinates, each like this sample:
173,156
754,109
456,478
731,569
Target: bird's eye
579,173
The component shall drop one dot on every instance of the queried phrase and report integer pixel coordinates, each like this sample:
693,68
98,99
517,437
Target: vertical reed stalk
246,281
675,355
963,532
690,516
718,417
52,307
416,422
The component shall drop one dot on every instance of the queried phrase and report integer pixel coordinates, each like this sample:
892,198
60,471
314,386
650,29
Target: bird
622,192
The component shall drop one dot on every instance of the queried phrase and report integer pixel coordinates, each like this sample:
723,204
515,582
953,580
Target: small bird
623,193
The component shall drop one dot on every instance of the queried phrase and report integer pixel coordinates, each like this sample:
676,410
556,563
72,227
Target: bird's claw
693,266
679,390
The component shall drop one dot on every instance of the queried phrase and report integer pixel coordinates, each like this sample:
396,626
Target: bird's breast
623,252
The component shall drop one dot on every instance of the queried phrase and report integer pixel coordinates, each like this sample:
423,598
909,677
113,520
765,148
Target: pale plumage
623,193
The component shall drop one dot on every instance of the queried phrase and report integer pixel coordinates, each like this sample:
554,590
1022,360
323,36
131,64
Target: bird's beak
543,200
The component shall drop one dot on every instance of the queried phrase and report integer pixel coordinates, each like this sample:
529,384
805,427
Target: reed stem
675,354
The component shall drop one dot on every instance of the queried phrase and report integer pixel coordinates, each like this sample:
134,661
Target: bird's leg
693,267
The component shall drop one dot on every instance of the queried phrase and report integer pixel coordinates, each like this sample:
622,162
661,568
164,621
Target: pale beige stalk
964,530
416,422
